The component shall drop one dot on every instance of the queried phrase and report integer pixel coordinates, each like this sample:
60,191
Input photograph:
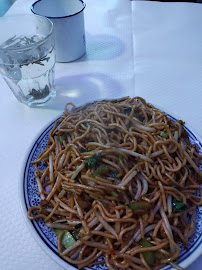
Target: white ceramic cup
69,30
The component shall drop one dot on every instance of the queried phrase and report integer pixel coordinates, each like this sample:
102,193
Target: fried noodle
123,179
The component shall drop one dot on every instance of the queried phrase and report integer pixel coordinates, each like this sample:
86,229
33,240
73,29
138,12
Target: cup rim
37,43
57,17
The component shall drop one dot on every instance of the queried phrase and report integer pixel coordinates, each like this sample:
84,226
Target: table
148,49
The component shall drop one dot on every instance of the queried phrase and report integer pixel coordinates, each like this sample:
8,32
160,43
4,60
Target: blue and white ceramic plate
46,236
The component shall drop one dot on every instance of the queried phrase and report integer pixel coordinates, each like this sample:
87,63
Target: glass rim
37,43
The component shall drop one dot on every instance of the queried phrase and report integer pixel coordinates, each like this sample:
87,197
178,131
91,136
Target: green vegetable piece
140,207
67,239
163,134
91,162
101,170
57,231
178,206
148,255
114,194
122,160
61,139
159,256
127,110
146,243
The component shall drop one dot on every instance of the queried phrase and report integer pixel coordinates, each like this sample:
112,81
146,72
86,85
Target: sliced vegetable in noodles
140,207
67,239
91,162
101,170
148,255
179,206
163,134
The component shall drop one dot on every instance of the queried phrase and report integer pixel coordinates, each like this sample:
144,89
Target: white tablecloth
149,49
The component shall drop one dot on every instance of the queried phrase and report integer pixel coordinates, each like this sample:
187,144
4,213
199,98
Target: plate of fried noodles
116,184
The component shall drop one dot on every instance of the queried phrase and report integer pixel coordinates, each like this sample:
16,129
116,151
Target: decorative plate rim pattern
43,234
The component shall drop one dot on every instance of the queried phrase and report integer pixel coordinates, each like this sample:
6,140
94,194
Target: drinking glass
27,57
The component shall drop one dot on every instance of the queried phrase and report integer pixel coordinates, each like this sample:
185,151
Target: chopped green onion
67,239
91,162
178,206
139,207
61,139
114,194
148,255
163,134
